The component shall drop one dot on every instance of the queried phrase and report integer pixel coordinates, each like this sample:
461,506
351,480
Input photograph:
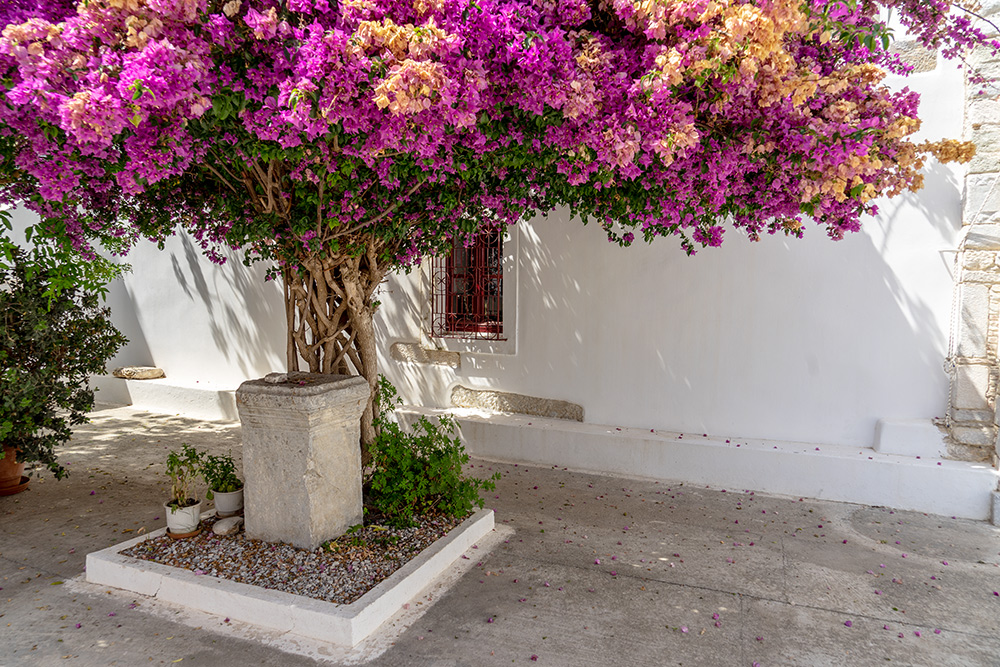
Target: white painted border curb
345,625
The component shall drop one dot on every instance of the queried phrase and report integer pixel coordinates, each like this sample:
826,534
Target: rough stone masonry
973,420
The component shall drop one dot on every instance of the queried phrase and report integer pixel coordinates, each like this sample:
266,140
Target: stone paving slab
798,635
795,587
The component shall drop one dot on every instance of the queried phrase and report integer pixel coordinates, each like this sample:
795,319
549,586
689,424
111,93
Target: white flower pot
181,520
228,504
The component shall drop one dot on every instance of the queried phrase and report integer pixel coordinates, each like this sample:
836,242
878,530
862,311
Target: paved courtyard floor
587,570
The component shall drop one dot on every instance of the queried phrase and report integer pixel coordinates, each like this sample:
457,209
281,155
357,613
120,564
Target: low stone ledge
913,53
414,353
502,401
138,373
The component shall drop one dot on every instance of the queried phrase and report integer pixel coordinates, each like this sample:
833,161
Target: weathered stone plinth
301,457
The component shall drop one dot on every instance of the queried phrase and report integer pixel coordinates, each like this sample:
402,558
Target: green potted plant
183,508
224,486
53,337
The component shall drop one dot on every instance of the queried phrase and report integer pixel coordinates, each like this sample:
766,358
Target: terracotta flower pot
12,479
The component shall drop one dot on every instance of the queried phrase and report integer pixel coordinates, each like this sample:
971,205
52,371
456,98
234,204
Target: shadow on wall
136,352
243,327
940,202
807,340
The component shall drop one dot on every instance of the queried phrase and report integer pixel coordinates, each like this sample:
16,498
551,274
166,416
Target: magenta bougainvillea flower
273,124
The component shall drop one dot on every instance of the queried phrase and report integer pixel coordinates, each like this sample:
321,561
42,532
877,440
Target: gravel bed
344,571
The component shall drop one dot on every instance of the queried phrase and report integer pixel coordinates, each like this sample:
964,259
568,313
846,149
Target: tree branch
978,16
384,214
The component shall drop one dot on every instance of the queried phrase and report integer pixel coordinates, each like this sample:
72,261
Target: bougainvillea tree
340,140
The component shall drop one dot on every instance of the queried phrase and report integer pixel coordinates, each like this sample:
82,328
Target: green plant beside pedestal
183,507
224,486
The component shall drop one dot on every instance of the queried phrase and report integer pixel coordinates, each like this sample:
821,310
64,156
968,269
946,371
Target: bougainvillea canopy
296,124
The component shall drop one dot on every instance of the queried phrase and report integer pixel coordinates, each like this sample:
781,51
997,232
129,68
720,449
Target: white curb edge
345,625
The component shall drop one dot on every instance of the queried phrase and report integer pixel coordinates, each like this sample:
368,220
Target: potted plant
183,508
53,337
224,486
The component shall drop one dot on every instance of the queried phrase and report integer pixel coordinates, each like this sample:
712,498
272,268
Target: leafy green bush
53,337
183,469
220,474
419,472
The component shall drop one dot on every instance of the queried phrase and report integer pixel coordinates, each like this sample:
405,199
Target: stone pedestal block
301,456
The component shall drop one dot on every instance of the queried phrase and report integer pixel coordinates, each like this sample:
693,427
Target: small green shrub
419,472
182,469
219,473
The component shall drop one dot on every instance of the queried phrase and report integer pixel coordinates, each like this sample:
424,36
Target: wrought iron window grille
467,290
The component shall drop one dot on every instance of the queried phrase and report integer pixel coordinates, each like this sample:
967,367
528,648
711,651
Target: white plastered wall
801,340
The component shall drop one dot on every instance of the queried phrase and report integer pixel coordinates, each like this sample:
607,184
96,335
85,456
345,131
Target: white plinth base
825,472
909,437
343,625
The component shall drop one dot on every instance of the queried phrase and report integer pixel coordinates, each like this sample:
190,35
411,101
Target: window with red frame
468,290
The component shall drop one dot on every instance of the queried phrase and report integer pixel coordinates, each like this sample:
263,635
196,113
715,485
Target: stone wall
973,420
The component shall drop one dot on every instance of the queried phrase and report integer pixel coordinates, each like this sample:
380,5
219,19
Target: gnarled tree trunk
330,309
